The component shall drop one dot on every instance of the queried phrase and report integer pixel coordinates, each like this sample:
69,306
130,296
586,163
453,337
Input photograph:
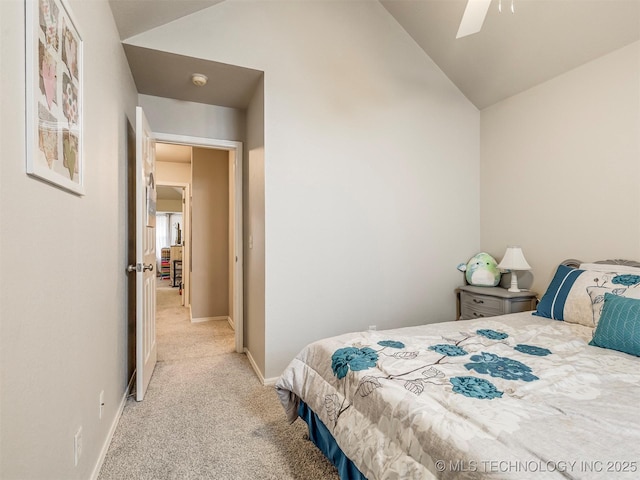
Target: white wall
178,117
371,165
63,334
560,167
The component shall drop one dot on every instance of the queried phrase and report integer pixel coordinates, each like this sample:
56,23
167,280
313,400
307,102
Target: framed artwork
54,88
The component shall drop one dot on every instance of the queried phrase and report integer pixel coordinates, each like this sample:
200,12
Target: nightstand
478,302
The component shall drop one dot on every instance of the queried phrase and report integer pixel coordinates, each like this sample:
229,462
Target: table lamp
514,260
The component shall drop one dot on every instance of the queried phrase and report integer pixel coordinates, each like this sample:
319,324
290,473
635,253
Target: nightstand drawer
477,306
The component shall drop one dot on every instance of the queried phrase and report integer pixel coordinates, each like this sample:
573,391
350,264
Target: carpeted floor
206,415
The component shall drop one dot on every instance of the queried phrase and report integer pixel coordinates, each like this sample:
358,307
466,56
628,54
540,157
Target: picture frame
54,95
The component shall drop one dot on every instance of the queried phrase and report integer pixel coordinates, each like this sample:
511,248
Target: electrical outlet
372,328
101,400
77,446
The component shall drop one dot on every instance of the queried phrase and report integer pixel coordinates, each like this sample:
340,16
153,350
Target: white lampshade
514,260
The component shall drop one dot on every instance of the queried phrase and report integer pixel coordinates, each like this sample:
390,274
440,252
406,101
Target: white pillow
576,295
608,268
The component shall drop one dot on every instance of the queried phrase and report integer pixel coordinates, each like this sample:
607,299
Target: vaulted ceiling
512,52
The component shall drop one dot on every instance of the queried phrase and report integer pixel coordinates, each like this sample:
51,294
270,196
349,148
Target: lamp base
514,282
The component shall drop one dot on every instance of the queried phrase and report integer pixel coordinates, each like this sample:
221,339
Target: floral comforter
516,396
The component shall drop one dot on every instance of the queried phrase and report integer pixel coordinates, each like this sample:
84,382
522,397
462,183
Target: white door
146,348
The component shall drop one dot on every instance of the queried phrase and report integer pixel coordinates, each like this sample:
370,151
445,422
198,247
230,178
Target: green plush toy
481,270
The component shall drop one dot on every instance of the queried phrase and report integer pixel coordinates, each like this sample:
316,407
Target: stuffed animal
481,270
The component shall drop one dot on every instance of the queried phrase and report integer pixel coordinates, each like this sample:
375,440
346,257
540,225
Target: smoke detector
199,80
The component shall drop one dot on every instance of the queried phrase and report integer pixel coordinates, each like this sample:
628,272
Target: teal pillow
557,295
619,326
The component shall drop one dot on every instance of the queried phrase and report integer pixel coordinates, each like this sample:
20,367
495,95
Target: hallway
178,338
205,414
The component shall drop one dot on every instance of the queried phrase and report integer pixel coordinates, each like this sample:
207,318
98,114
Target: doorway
233,155
172,244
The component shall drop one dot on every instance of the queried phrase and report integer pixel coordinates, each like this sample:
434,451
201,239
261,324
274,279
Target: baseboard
267,382
270,382
208,319
232,323
112,431
254,365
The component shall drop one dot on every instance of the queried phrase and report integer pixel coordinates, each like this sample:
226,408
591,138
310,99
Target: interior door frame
238,283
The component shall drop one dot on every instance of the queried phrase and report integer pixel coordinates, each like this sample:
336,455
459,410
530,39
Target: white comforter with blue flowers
515,396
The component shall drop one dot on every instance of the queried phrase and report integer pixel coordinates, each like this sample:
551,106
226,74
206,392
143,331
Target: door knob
140,267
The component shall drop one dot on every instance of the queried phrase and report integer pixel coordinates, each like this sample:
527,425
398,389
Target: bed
549,394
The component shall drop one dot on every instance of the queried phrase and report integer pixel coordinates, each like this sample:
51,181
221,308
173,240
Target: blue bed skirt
322,438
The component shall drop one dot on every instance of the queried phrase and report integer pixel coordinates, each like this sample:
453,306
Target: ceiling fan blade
473,17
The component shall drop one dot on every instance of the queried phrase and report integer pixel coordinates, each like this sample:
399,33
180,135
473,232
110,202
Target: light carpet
205,414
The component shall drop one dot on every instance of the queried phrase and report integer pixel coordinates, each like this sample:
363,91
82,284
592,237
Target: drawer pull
478,315
475,300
